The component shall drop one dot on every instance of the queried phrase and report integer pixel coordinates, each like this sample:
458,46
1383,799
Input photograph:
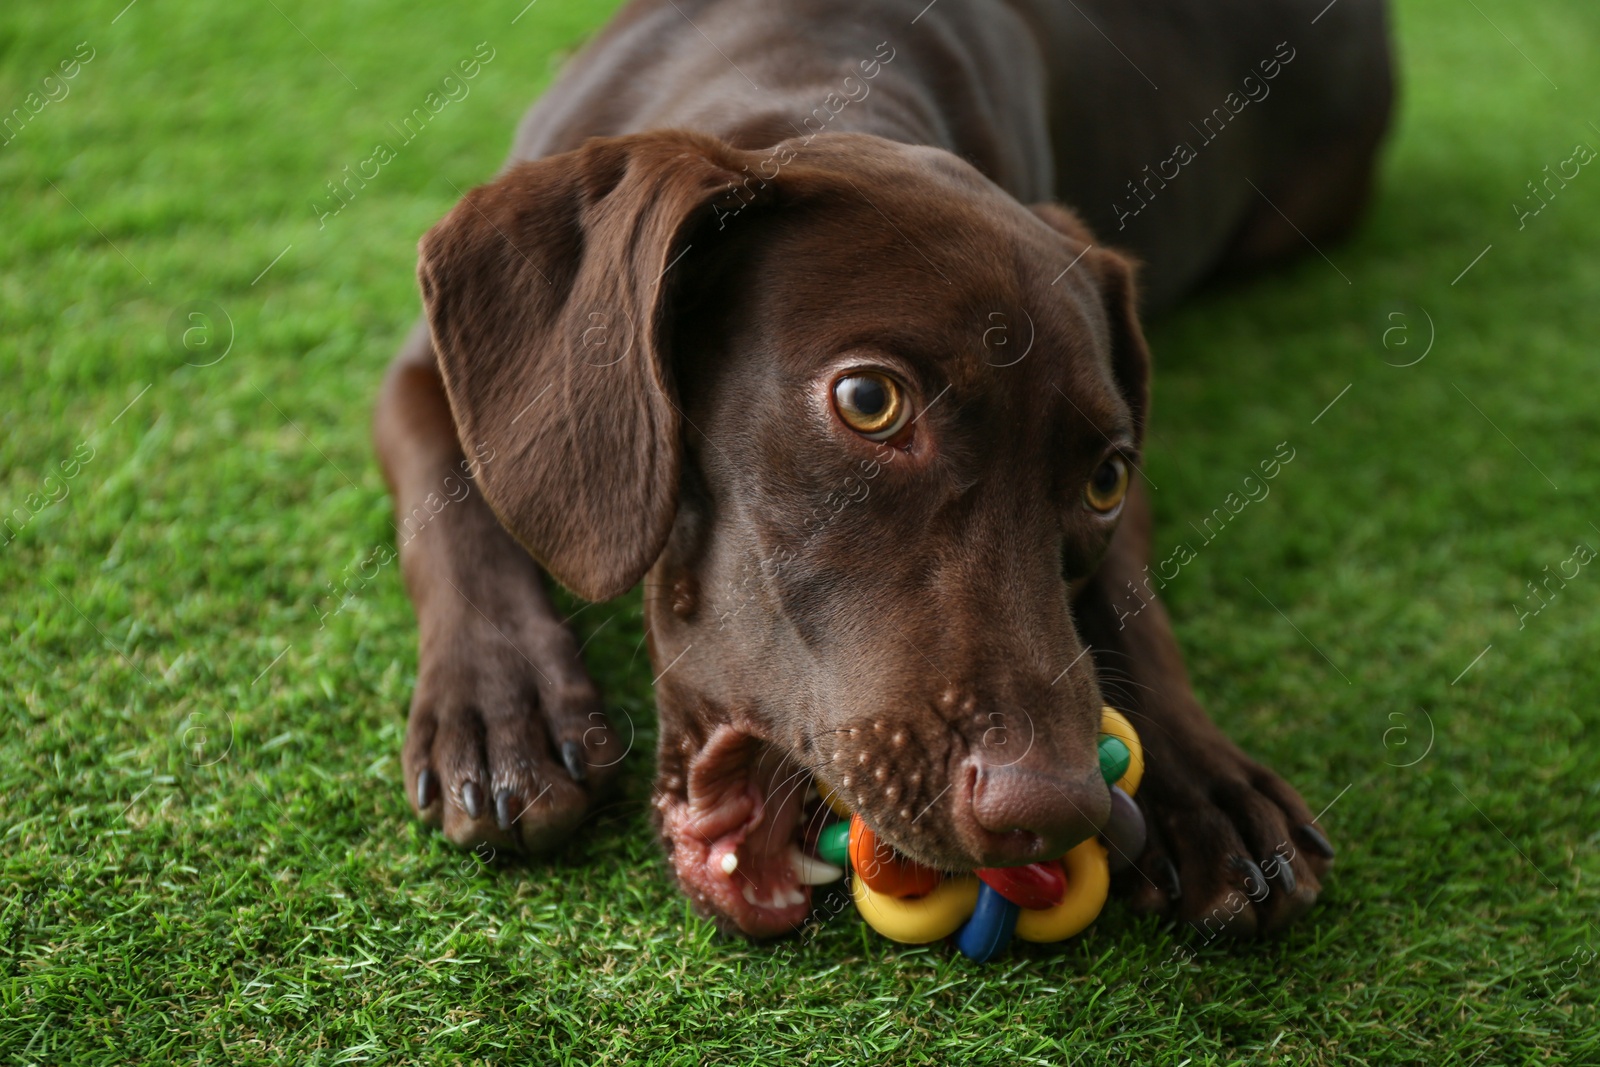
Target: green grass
206,854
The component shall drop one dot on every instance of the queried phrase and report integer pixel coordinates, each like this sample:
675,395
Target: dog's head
864,419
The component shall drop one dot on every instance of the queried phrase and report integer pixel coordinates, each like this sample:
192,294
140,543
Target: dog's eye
1107,485
871,404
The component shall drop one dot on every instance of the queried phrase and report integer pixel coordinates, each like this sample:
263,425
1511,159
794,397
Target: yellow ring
922,919
830,798
1088,881
1113,722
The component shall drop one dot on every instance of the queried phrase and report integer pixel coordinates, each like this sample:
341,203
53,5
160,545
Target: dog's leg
506,742
1232,846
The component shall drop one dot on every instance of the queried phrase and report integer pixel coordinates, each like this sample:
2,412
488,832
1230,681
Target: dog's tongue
733,838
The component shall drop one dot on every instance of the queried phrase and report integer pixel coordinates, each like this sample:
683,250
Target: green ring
833,844
1114,758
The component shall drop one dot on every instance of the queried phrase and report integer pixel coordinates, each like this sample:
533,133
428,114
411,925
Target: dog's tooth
780,899
730,863
750,895
798,897
808,870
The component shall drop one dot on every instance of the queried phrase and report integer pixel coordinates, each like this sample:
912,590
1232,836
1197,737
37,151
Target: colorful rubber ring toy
982,911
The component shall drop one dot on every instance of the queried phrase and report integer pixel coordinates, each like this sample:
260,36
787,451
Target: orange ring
883,869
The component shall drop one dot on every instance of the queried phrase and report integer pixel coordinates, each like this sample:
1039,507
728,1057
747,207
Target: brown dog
773,309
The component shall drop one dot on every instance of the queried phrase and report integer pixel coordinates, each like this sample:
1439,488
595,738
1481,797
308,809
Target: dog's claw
472,799
572,756
505,808
1174,886
1318,843
427,790
1282,872
1252,874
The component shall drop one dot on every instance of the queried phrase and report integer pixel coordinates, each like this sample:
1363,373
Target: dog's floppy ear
547,296
1130,356
1113,275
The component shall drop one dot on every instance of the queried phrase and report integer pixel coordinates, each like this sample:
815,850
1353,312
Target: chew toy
1046,901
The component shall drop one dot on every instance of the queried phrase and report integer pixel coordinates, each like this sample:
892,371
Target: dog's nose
1026,814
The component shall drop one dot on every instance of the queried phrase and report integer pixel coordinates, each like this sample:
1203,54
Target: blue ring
987,933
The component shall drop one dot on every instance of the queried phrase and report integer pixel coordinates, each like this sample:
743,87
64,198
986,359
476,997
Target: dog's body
644,348
1049,100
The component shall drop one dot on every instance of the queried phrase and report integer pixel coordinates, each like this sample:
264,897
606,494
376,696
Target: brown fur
631,344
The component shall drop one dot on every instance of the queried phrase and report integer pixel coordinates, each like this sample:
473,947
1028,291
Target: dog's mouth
737,835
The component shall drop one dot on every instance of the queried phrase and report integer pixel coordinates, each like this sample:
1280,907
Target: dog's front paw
1233,847
505,746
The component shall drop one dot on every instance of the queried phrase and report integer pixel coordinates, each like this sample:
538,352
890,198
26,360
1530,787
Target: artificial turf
205,855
